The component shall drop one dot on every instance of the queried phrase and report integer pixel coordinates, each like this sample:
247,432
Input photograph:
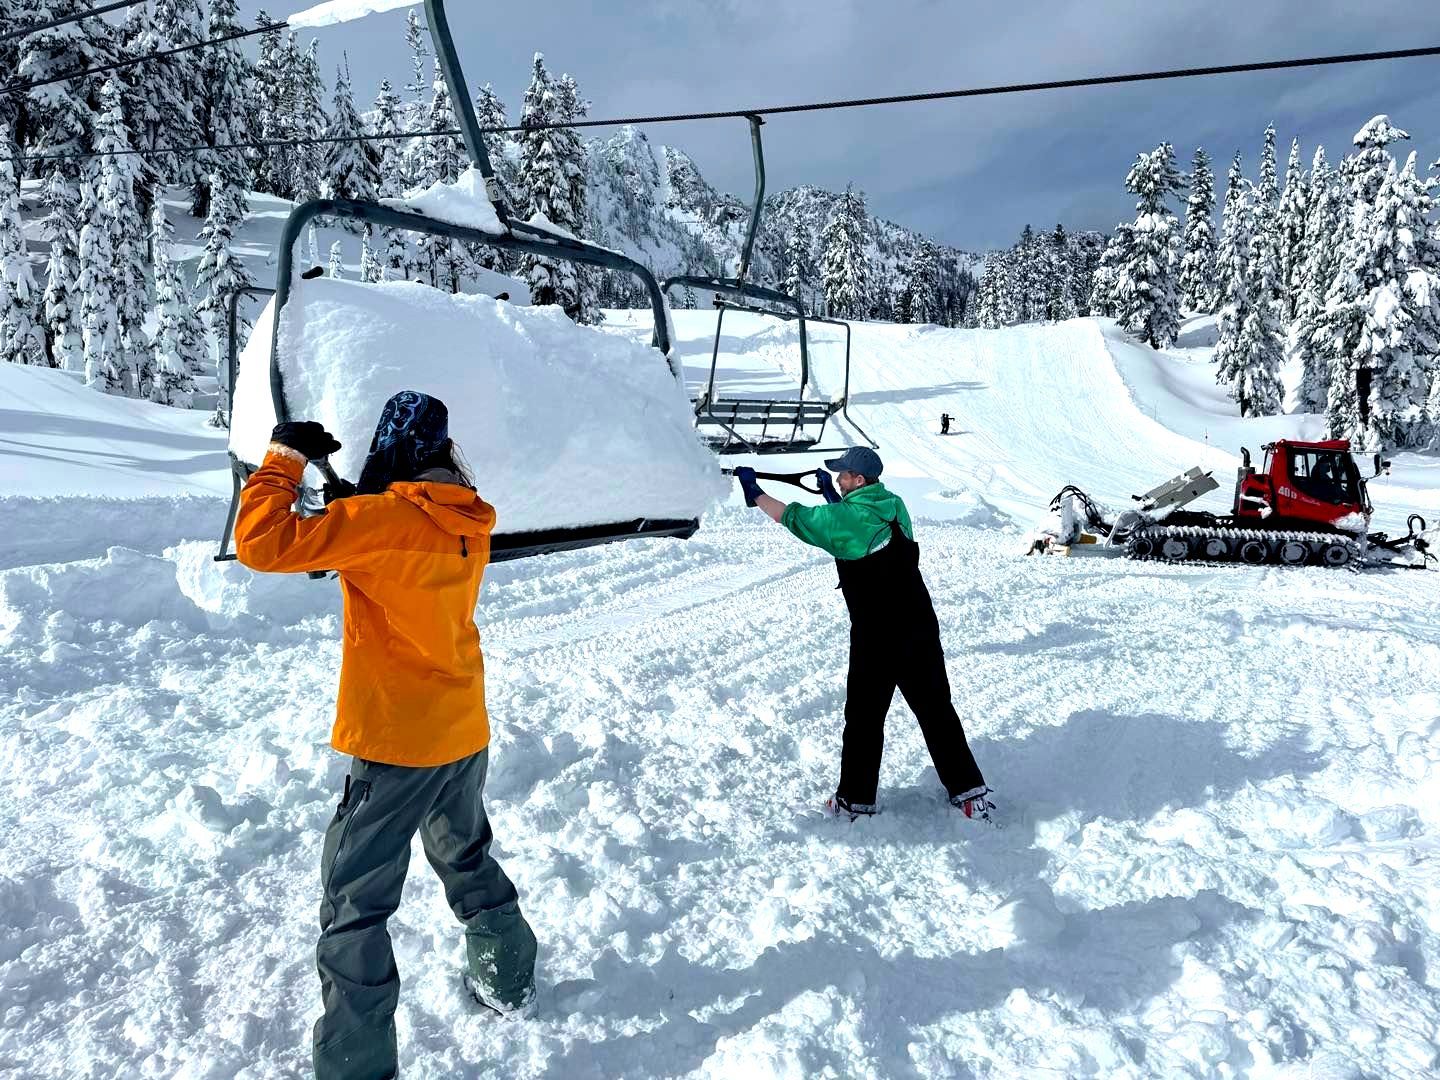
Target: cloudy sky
972,172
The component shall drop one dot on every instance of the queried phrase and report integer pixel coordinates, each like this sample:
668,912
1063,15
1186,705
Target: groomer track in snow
1215,864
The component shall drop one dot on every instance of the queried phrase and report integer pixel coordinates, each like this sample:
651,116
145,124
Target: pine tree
687,299
1250,348
119,211
60,118
1291,216
1322,226
418,88
336,268
1104,295
1198,290
226,78
1057,304
174,383
371,270
799,264
844,263
1146,286
1396,311
62,300
921,295
551,165
353,167
490,113
388,122
441,160
273,166
104,359
21,340
219,274
1367,274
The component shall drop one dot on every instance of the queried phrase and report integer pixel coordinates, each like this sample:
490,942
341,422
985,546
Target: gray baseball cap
858,459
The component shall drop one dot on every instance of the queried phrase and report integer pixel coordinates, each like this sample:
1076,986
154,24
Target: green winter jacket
852,528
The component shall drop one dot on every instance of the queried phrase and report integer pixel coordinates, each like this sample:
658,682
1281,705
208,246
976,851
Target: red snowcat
1307,505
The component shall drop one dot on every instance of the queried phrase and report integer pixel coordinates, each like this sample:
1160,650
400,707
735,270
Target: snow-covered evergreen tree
174,382
117,207
272,167
389,121
62,299
353,167
336,269
1250,349
1145,286
419,88
371,269
305,95
1372,272
225,91
1059,303
552,162
1198,290
1322,227
219,274
1291,216
60,118
105,365
21,339
440,161
922,287
799,266
1104,295
844,269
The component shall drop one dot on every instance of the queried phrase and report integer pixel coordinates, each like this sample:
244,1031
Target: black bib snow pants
895,641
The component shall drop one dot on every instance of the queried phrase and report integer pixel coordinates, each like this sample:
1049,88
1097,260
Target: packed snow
1218,784
566,425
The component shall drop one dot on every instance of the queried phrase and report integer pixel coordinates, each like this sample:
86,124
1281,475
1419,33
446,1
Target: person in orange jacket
410,548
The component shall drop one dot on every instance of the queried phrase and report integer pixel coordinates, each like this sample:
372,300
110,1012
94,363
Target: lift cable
777,110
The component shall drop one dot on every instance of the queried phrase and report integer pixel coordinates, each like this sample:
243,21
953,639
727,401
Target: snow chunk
339,11
563,425
462,203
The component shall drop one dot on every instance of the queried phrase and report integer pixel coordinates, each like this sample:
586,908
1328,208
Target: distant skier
944,423
410,549
894,635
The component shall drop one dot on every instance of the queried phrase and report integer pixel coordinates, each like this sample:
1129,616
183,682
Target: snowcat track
1197,539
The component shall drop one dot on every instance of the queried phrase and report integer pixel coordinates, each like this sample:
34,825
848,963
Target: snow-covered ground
1219,785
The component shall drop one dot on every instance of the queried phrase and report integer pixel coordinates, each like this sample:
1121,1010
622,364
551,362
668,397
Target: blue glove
827,486
748,484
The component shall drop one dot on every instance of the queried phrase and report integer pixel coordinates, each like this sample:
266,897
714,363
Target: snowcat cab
1303,485
508,234
785,425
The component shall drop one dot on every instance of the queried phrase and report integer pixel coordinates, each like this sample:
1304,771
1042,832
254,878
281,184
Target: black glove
341,489
307,438
827,486
748,484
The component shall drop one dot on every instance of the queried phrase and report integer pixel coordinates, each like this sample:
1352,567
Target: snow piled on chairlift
341,11
462,203
563,425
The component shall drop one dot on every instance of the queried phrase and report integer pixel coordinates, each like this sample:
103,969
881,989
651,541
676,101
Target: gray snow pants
367,851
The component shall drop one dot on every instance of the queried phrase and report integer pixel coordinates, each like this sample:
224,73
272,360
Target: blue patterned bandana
413,427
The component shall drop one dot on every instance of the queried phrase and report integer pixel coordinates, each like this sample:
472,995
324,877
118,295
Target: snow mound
462,203
563,425
340,11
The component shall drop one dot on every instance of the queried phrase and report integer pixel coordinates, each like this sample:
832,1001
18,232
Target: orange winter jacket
412,680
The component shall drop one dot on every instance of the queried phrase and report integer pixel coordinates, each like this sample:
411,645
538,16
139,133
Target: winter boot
974,804
837,805
500,954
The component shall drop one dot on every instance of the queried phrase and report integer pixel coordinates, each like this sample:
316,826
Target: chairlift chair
516,236
786,425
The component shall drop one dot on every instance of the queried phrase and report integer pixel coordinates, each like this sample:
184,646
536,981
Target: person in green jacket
894,634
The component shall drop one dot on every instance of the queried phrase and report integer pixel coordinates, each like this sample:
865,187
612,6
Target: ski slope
1220,856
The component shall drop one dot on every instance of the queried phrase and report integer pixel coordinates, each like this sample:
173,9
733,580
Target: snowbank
563,425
